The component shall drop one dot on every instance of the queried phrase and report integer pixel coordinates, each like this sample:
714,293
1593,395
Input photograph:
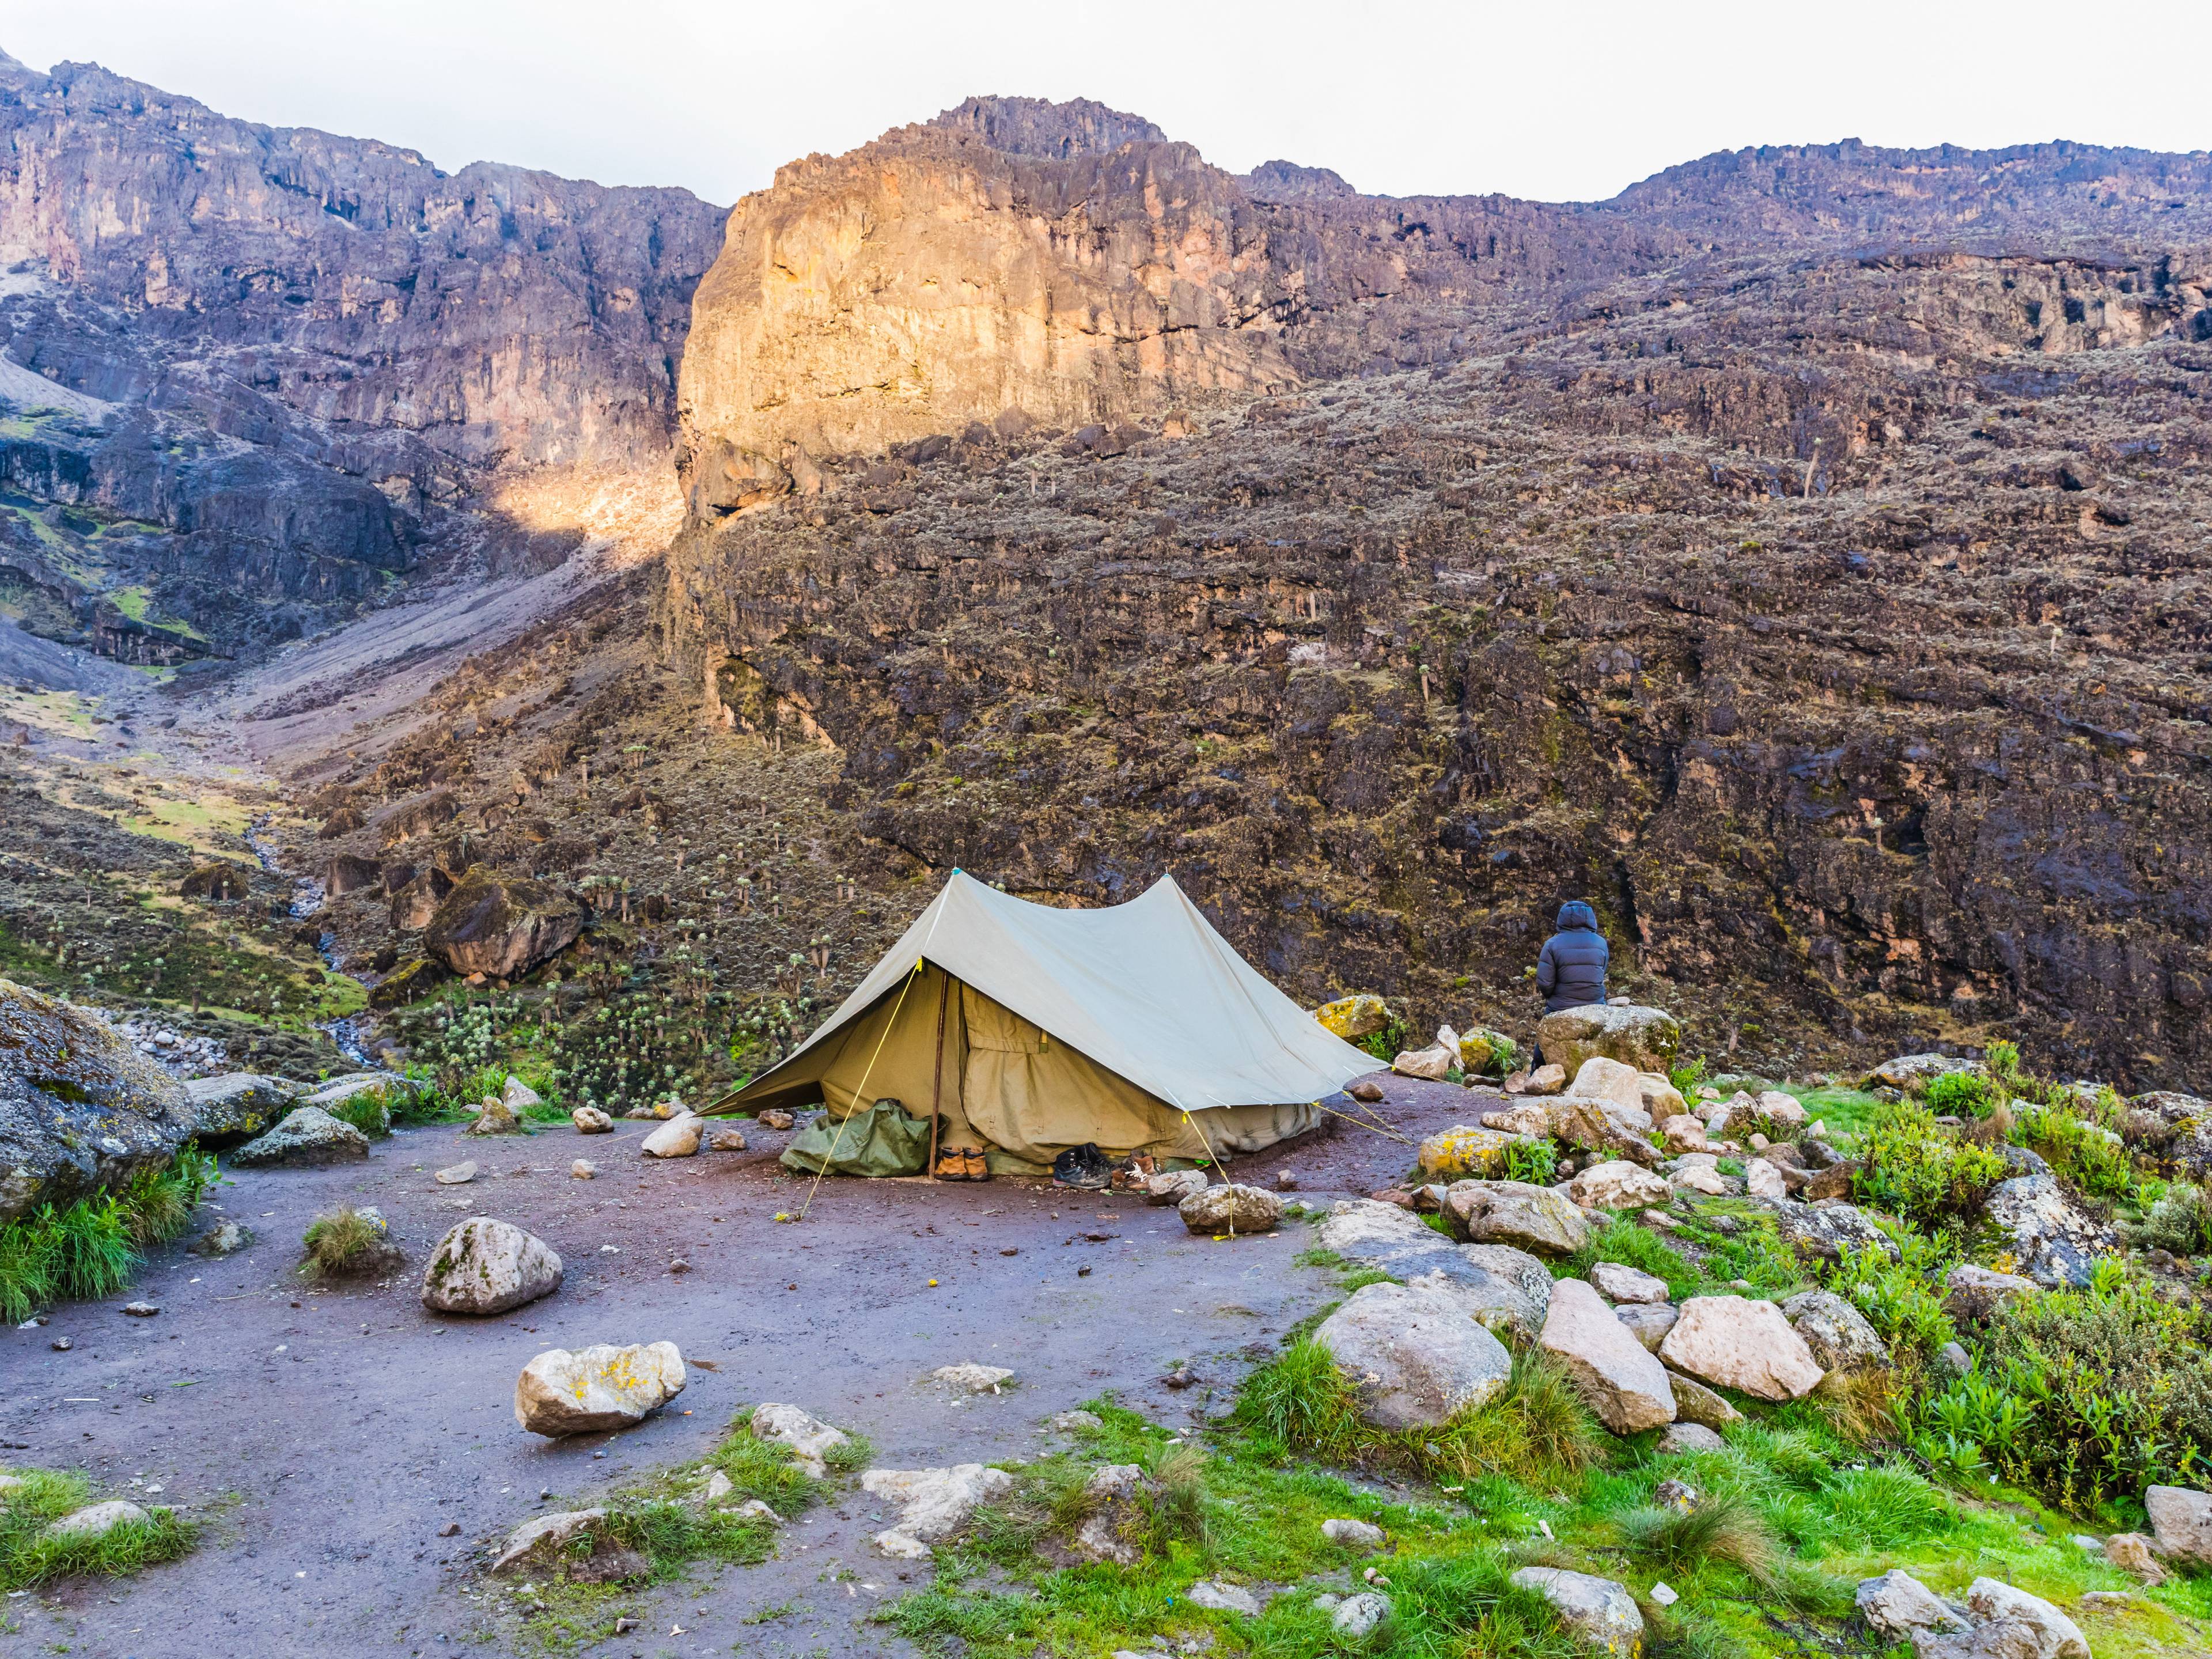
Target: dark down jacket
1570,971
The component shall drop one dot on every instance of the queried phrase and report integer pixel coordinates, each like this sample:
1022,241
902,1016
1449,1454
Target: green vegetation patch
95,1247
31,1554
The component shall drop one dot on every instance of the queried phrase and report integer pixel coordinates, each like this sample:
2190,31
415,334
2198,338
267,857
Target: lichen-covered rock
486,1266
308,1136
1824,1232
1614,1373
1413,1357
596,1389
1466,1154
1975,1293
1696,1403
1837,1333
1598,1611
409,982
2055,1243
1644,1039
219,883
1354,1016
1231,1207
1485,1053
1532,1218
1737,1342
501,926
238,1106
80,1109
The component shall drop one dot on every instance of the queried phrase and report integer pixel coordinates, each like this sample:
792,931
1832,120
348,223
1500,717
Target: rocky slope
257,372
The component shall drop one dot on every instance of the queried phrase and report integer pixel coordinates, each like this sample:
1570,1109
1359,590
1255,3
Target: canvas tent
1033,1029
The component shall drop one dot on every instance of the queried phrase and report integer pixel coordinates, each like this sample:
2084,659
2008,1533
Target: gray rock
1645,1039
1357,1617
1648,1322
238,1106
1696,1403
1173,1186
1624,1384
1618,1184
1413,1357
1113,1531
1690,1437
544,1536
1353,1534
933,1503
1738,1342
1836,1332
1223,1598
1231,1207
2182,1519
1953,1360
1599,1611
1826,1231
2006,1624
810,1438
1898,1606
1074,1422
1617,1282
96,1519
80,1110
486,1266
307,1137
1974,1293
1532,1218
1506,1291
224,1238
1906,1070
2056,1244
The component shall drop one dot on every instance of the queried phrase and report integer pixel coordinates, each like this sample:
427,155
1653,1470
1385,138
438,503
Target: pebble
61,1344
1664,1594
451,1529
457,1175
583,1169
140,1309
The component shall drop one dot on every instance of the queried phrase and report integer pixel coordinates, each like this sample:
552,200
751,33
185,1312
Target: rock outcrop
499,924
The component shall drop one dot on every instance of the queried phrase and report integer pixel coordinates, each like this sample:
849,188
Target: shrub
1687,1077
1921,1171
344,1241
1536,1162
2117,1389
91,1248
1897,1296
30,1555
1958,1094
1386,1044
2085,1155
2004,1060
2178,1220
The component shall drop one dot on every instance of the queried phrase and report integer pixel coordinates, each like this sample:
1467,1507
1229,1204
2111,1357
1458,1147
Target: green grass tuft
29,1556
92,1247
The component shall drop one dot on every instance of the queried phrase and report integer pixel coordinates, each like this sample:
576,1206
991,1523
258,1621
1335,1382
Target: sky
1556,102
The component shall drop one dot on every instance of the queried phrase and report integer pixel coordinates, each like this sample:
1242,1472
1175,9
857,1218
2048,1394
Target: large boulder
2182,1519
1231,1207
1412,1356
1644,1039
1623,1384
307,1137
80,1109
1602,1128
1467,1154
238,1106
349,872
1915,1072
1899,1607
1600,1613
2056,1244
2005,1624
1836,1333
1532,1218
596,1389
486,1266
1737,1342
1618,1185
501,925
1506,1291
677,1138
933,1503
416,900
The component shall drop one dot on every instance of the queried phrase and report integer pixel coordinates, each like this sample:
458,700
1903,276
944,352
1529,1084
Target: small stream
306,899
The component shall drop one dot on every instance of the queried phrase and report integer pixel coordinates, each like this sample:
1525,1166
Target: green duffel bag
882,1140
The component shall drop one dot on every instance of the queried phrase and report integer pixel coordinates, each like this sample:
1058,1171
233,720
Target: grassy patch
30,1555
658,1529
1624,1242
93,1247
345,1243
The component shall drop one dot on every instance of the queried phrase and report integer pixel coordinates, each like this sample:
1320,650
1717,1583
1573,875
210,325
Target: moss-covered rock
80,1107
1354,1016
239,1105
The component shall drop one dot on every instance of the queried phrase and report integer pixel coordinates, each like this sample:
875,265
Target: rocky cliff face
257,370
1830,614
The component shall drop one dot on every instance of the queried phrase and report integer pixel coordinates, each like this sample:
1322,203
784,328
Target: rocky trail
326,1435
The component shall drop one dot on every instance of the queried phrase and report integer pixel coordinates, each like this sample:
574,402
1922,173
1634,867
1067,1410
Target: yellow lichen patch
1466,1154
1356,1016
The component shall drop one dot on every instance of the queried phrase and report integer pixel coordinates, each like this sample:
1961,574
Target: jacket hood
1574,914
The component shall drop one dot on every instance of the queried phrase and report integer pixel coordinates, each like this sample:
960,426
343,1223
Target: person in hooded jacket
1570,968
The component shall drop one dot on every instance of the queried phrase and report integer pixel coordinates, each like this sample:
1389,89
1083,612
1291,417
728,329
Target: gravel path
326,1436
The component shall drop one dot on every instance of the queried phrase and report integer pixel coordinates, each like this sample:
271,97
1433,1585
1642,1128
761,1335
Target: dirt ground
324,1436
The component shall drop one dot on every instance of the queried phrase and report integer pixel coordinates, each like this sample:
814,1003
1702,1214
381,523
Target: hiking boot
977,1169
1084,1168
951,1165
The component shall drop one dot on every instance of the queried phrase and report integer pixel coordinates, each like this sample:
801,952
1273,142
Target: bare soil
324,1435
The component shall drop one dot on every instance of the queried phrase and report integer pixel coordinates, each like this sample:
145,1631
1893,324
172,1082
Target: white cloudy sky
1556,101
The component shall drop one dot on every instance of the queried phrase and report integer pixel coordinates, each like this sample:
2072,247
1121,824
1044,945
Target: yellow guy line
838,1140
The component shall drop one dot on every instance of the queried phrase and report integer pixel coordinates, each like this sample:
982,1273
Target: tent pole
936,1078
